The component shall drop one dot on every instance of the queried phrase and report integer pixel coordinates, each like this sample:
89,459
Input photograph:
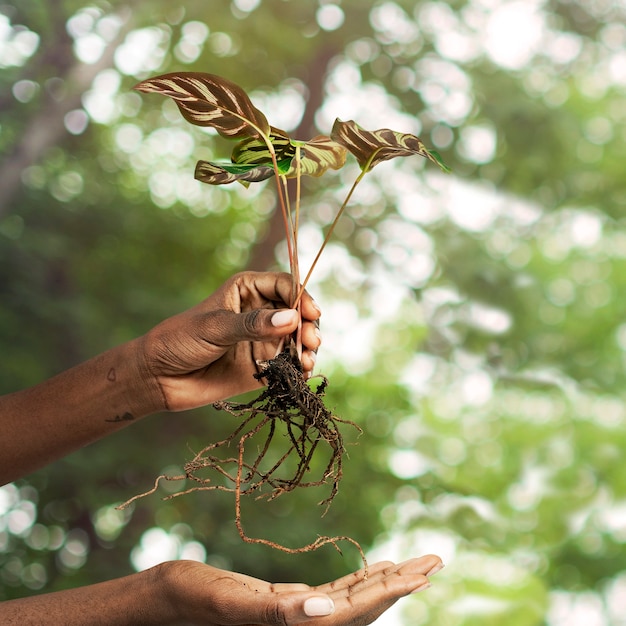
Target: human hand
210,352
200,594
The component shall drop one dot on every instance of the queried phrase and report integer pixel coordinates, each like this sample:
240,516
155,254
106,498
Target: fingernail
435,569
284,318
316,607
422,587
316,306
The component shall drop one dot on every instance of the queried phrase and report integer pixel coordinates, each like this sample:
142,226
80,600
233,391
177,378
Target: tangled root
287,406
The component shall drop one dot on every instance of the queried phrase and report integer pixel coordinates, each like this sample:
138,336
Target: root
289,407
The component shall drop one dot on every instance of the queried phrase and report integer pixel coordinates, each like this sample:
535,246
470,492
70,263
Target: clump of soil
290,413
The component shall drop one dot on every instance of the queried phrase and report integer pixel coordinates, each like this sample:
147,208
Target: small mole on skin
127,417
111,375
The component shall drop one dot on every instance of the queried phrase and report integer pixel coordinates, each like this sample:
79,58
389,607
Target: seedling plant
289,405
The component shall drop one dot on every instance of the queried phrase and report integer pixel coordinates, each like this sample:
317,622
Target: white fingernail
435,569
284,318
316,607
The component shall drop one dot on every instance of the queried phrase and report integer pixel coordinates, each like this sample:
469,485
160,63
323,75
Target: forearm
64,413
134,600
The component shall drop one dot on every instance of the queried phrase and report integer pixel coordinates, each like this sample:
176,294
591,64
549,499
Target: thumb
285,320
296,608
318,606
257,325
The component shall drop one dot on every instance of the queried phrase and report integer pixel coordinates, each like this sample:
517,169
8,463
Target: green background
473,323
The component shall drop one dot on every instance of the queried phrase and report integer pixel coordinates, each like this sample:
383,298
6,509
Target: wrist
167,581
158,593
143,390
142,599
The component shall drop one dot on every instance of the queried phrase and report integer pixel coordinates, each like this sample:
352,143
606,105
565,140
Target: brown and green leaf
254,151
316,155
209,100
225,173
372,147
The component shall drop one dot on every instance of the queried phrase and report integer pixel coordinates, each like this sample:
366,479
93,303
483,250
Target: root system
290,414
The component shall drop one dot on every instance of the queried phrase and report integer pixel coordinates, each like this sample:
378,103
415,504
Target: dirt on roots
291,413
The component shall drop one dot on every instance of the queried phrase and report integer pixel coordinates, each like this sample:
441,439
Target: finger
272,286
311,336
289,587
422,567
277,609
427,565
276,287
372,600
309,308
308,362
344,584
225,329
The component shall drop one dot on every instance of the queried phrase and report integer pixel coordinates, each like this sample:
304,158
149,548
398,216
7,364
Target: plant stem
291,232
329,233
298,190
296,272
283,204
291,235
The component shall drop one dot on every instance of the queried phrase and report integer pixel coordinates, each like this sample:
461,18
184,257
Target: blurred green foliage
473,324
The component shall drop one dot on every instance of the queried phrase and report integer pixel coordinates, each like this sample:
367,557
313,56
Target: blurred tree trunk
47,126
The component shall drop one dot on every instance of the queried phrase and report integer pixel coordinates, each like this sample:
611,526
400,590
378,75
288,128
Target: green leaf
316,155
372,147
224,173
209,100
439,160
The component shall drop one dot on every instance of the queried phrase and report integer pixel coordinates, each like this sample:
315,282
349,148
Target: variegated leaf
316,155
209,100
254,151
372,147
224,173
